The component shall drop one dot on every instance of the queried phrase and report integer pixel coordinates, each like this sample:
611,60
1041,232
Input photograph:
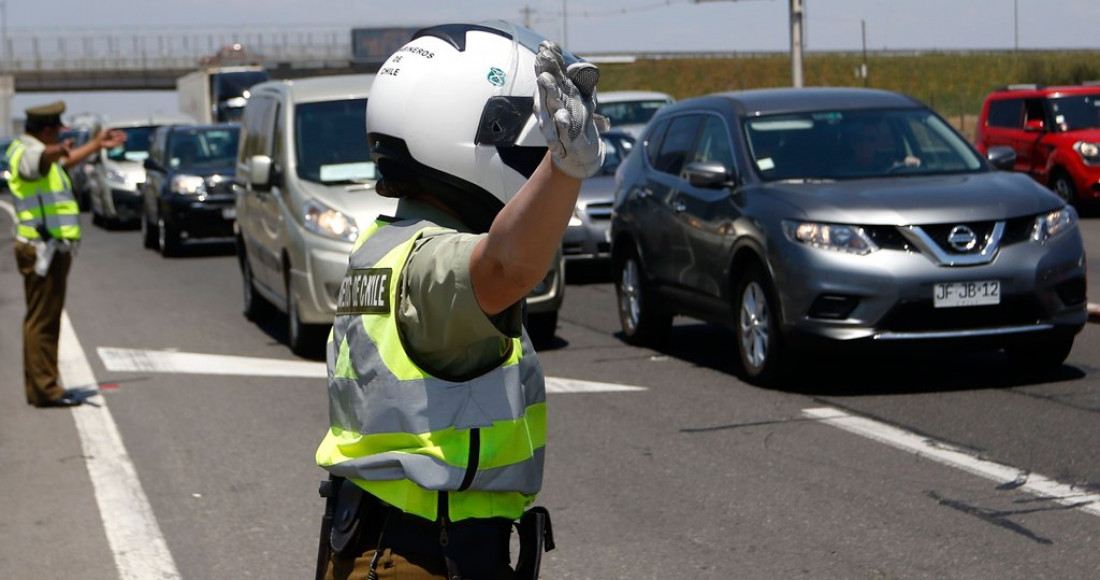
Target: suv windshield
136,148
630,112
856,144
332,141
1076,112
203,148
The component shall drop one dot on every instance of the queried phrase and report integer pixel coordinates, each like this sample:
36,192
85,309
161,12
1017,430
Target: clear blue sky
591,26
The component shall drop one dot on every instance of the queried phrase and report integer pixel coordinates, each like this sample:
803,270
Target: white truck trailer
217,94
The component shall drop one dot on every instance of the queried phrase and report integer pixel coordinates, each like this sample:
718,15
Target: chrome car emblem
962,239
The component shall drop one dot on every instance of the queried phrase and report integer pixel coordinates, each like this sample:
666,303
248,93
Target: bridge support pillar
7,90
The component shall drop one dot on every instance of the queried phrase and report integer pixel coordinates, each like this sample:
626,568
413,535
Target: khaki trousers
42,324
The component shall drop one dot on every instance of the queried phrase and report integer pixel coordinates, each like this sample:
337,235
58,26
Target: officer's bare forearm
524,238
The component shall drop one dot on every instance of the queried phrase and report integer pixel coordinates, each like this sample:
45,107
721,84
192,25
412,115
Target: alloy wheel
753,325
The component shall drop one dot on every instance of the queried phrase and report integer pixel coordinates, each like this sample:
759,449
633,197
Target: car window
1076,112
202,148
714,143
136,147
331,141
835,145
1034,112
1006,113
677,144
654,139
616,147
631,112
256,126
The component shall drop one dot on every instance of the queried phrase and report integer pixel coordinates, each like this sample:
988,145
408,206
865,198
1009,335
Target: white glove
566,105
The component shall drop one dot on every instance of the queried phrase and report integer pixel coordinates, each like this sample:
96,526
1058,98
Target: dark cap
46,114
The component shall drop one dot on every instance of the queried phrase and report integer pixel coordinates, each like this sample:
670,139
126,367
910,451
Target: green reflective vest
48,200
436,448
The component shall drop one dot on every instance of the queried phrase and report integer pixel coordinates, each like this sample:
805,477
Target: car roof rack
1022,87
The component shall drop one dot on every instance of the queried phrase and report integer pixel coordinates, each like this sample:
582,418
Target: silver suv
840,217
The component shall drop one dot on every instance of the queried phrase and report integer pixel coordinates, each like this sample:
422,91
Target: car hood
129,168
358,201
598,188
917,200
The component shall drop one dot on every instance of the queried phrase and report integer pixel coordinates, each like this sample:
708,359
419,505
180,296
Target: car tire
149,236
1063,187
168,239
305,340
256,307
642,320
759,345
541,328
1040,356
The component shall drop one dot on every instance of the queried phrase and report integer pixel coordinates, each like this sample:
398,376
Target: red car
1055,132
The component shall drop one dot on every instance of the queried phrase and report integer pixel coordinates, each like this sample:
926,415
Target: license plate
229,213
953,294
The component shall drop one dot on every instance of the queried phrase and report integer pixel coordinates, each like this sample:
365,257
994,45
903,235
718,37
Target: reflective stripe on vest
405,435
46,200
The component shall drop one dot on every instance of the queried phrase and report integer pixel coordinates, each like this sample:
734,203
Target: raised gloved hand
566,105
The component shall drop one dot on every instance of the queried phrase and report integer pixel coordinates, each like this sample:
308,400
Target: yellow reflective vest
437,448
45,201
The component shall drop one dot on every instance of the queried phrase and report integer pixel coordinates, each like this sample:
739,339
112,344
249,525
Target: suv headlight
1054,224
1089,151
188,185
323,220
836,237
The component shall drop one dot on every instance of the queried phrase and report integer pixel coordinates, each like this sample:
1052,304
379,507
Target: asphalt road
698,475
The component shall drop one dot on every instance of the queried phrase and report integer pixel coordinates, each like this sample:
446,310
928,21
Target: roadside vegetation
953,83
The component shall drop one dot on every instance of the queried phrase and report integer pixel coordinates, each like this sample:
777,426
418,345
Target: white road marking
1033,483
139,549
159,361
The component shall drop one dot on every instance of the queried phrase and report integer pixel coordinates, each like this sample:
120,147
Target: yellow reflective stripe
367,233
27,232
404,495
447,445
509,442
487,504
392,352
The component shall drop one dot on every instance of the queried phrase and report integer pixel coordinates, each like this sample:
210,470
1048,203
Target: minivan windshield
136,148
331,144
857,144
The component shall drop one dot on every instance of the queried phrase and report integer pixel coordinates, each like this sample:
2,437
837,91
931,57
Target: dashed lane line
161,361
136,542
1033,483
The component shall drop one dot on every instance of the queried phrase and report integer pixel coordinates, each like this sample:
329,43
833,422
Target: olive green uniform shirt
437,313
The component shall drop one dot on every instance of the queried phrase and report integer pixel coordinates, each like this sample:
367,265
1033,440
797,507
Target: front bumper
125,205
201,216
887,296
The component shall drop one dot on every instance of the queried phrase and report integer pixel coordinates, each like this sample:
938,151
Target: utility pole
564,25
527,11
796,43
863,70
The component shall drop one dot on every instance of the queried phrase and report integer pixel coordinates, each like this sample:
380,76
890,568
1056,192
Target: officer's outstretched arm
526,234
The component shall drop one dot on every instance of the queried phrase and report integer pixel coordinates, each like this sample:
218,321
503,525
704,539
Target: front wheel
1063,186
149,235
759,344
642,320
168,238
256,307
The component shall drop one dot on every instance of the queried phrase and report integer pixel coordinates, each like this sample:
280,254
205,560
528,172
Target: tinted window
616,147
256,127
677,144
653,141
1006,113
1078,112
202,148
714,143
136,148
331,142
228,85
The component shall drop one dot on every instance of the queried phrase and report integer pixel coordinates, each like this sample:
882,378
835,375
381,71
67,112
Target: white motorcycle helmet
451,114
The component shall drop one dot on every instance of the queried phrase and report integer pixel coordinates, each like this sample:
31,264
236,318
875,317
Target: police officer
46,235
437,402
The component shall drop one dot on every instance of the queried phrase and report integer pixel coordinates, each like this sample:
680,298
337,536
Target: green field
953,83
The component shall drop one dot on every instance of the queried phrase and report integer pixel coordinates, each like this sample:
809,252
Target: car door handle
678,206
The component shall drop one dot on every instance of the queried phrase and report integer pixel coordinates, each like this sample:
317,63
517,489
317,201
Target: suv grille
922,316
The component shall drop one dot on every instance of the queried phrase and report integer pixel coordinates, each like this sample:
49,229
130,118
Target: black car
841,218
188,191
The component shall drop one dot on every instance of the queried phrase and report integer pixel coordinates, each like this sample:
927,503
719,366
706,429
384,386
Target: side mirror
708,174
151,164
259,173
1034,125
1002,157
